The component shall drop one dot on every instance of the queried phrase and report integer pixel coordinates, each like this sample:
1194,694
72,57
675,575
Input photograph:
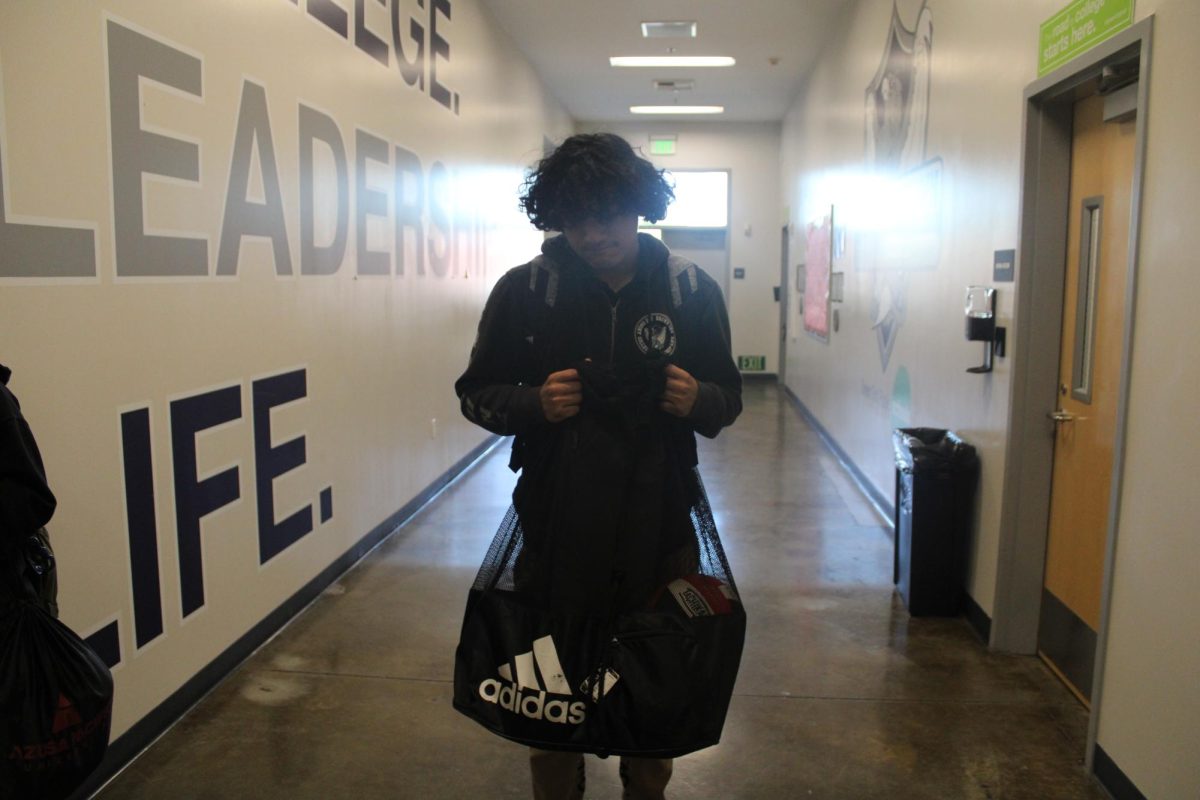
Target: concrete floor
841,694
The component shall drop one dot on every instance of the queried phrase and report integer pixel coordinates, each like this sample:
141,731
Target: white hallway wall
750,151
984,54
378,352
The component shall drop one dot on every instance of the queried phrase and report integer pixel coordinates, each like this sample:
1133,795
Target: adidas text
533,706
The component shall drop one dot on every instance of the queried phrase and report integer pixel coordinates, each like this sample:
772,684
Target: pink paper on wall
816,277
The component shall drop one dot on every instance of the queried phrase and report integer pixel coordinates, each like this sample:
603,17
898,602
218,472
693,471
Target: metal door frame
1037,319
785,305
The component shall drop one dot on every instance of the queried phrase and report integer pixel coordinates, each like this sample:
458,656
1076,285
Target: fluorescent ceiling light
669,30
677,109
671,61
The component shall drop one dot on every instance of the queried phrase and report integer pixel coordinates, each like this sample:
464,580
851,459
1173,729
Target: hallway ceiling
569,43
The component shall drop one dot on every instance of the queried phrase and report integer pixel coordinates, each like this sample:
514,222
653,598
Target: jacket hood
651,253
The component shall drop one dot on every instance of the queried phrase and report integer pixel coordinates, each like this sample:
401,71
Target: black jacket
553,313
26,502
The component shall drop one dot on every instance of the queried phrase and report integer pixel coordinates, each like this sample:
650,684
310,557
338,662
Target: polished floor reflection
841,694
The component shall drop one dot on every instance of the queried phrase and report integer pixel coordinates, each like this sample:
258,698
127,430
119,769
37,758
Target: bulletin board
818,265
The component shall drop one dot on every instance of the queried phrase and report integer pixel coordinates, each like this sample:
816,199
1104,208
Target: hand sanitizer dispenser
981,313
981,324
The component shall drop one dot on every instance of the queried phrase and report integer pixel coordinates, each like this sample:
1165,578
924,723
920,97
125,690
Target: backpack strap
681,275
543,279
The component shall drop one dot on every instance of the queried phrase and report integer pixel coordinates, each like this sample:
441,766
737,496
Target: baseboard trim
123,749
1114,781
980,622
883,506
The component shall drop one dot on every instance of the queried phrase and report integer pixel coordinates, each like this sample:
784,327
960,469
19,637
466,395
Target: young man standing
605,322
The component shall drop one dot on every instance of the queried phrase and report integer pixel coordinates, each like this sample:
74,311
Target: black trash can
936,475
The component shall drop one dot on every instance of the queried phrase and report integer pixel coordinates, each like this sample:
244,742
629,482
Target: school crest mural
896,123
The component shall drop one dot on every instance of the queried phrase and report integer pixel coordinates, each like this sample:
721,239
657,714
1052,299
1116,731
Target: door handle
1061,416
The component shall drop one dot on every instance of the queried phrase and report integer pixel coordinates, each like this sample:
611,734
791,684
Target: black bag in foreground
55,705
604,618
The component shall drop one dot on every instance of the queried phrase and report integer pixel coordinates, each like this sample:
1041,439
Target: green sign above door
1079,27
752,363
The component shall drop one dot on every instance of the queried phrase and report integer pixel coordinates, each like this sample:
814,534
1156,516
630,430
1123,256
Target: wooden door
1089,376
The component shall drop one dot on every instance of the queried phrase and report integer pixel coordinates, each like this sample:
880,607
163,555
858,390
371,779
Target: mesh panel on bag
712,555
496,572
503,565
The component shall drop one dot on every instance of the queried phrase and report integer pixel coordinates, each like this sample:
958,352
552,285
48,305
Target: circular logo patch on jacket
655,333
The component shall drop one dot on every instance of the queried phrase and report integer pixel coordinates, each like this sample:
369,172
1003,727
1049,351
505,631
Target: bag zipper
648,633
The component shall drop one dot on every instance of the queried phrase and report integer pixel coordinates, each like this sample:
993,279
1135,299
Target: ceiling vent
669,30
674,85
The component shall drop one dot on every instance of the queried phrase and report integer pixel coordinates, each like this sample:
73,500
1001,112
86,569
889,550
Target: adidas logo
538,675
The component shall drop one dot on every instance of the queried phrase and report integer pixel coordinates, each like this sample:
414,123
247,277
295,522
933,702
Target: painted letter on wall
137,152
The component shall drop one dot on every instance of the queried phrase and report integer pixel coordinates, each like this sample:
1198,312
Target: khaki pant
560,776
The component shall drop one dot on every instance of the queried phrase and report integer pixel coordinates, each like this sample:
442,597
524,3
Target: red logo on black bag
66,716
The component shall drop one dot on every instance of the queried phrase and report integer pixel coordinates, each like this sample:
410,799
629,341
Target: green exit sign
662,145
752,363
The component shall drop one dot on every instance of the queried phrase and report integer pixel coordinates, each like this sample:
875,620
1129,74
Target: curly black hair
593,175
